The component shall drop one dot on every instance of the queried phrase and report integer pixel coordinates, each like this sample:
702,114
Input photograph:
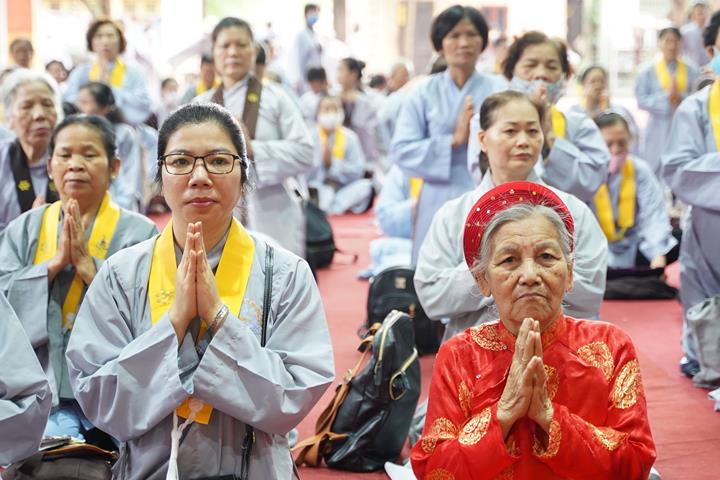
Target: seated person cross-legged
536,394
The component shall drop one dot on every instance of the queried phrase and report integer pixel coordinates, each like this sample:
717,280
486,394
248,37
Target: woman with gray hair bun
32,107
504,397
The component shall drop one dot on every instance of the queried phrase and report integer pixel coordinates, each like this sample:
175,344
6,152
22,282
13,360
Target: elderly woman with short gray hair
536,394
32,108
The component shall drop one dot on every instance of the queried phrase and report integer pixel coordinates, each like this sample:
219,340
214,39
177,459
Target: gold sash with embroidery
714,112
117,76
663,74
338,149
416,185
202,88
233,274
98,245
626,205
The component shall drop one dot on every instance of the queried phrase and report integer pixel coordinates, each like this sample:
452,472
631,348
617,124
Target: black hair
101,125
590,69
53,62
207,58
448,18
316,74
310,6
69,108
378,81
439,65
166,81
105,98
229,22
534,38
354,65
261,57
196,114
609,119
674,30
711,30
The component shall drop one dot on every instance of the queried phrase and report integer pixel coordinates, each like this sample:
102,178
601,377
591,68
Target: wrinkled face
79,165
670,46
617,139
527,273
87,104
514,140
202,196
539,62
462,45
595,82
106,42
234,53
32,115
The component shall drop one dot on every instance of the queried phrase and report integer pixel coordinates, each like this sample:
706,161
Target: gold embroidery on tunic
475,428
628,385
439,474
598,355
488,337
465,398
553,446
512,446
552,381
608,437
441,429
507,474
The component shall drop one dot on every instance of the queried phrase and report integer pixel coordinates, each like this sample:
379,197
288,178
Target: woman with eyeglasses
201,348
279,143
51,254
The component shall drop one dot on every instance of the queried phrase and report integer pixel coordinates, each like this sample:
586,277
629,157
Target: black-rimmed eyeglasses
183,163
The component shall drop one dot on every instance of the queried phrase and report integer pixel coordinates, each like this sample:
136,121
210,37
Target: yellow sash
663,74
201,87
626,205
100,238
558,122
232,277
714,112
117,76
416,185
338,149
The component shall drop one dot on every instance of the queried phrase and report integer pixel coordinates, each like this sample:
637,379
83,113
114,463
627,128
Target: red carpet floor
685,428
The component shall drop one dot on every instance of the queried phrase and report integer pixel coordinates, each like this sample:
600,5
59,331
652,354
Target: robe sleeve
394,207
443,282
578,164
292,153
458,440
124,385
414,149
473,151
650,96
652,219
126,189
352,167
133,98
620,448
271,388
25,397
688,167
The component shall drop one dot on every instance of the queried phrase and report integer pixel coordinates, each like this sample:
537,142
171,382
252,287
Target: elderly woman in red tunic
536,395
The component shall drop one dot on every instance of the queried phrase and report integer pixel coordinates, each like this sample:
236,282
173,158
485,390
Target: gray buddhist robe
129,376
24,391
39,304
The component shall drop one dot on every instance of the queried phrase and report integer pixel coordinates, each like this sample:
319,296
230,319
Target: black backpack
319,239
367,421
393,289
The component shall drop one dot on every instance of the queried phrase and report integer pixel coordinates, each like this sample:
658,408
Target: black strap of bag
23,181
249,439
251,111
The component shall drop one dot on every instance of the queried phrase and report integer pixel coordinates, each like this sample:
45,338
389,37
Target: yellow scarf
663,74
232,277
201,87
117,76
100,238
714,112
416,185
338,149
626,205
558,122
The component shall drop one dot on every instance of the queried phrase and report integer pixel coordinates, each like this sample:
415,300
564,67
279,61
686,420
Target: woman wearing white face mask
574,156
340,162
630,204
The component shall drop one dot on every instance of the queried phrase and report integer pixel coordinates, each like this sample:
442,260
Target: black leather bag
638,284
367,421
68,462
393,289
319,240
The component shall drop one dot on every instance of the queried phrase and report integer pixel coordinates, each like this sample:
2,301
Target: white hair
24,76
403,63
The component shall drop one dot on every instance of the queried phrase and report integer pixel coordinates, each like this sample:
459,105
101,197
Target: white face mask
330,120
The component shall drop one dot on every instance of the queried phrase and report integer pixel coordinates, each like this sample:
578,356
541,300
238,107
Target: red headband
501,198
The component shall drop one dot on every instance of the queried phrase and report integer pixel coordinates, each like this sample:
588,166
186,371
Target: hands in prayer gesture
462,127
525,393
196,292
72,248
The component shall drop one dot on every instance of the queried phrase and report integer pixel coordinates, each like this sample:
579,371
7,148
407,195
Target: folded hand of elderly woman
525,391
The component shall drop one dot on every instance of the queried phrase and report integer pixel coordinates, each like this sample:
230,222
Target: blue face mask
715,62
311,20
554,90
